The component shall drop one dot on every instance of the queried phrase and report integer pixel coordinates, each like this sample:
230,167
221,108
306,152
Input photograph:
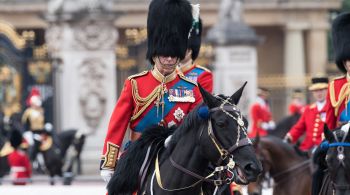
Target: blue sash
151,119
194,74
345,114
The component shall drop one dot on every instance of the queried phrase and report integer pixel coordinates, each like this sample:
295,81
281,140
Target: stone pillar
236,56
294,56
83,38
317,54
234,65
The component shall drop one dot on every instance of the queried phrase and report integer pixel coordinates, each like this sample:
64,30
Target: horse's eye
220,123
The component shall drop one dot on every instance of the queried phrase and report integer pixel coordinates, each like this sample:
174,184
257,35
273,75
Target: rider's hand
106,175
287,139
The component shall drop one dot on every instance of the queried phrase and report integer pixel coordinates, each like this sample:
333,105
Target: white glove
272,125
264,126
106,175
28,136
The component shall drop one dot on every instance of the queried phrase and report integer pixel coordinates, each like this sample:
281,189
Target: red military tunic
20,167
295,108
137,108
311,122
337,98
260,113
198,74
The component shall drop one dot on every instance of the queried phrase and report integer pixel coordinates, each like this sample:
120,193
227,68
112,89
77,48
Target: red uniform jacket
338,92
200,75
20,167
259,114
137,108
310,123
295,109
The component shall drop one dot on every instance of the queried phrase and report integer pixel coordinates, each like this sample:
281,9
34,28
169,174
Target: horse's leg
52,180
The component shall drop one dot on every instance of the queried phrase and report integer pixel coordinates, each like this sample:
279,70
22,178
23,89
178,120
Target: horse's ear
327,133
237,95
208,99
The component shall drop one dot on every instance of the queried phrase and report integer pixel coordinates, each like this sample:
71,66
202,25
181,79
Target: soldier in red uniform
297,105
160,96
338,110
261,115
192,71
18,161
312,120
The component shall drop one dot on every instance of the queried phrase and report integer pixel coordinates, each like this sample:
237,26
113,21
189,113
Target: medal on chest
181,94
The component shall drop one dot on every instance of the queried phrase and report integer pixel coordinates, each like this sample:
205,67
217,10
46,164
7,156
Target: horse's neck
187,154
283,160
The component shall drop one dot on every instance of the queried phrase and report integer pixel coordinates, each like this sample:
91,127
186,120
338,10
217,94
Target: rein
224,153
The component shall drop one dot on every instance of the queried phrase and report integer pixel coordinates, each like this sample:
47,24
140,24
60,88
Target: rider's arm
298,129
117,127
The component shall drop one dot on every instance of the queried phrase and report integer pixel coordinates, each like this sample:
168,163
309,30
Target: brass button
316,125
317,120
315,129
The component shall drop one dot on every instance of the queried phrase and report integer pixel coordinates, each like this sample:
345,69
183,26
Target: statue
75,6
231,9
9,90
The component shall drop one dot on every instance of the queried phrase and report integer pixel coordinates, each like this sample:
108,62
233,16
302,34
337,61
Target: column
294,56
317,55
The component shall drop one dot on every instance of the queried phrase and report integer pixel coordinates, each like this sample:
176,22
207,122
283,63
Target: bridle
340,154
225,153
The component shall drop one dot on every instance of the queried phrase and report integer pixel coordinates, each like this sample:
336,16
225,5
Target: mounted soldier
160,96
193,71
338,110
312,120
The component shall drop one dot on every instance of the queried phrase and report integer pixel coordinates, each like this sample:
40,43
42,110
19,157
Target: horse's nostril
251,168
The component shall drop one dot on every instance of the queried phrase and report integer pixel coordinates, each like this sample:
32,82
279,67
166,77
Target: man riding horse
160,96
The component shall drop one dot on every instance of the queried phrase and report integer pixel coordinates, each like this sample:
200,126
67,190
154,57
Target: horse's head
338,158
225,137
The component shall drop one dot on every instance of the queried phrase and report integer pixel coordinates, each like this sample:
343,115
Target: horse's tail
126,176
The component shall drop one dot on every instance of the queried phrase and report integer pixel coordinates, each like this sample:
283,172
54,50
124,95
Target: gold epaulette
138,75
203,68
183,77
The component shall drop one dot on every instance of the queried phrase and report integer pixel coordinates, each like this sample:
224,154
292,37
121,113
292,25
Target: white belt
18,169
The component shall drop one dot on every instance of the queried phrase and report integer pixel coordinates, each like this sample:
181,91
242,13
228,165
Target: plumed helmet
169,23
341,39
15,138
196,39
33,92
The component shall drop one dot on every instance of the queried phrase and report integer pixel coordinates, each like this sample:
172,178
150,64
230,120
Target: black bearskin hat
168,26
196,39
341,39
15,138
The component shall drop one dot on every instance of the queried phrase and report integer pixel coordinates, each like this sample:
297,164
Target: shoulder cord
343,94
143,102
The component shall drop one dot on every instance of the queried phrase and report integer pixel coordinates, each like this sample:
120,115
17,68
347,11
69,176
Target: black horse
63,151
333,176
213,133
284,125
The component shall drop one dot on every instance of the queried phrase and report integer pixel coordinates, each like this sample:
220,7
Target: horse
212,133
57,158
334,157
284,125
290,171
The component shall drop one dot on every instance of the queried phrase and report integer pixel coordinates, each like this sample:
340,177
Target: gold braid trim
343,94
143,102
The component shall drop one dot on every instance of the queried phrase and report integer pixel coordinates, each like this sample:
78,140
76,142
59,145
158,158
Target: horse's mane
133,158
191,121
275,142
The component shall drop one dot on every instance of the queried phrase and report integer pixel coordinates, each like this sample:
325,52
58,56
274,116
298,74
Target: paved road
81,186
